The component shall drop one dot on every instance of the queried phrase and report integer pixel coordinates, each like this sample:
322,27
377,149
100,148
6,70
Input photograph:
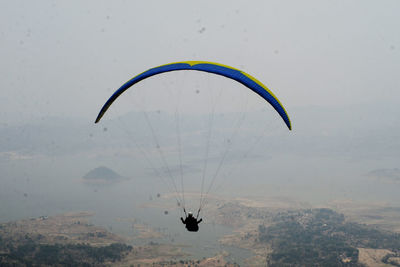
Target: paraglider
247,80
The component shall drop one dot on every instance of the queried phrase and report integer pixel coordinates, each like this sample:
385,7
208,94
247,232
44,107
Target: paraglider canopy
216,68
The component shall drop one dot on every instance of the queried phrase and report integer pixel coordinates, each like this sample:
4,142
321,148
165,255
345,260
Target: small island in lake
102,175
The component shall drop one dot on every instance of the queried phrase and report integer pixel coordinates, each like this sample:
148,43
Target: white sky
65,58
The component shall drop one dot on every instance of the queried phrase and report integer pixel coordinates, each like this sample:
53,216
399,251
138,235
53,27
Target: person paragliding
192,224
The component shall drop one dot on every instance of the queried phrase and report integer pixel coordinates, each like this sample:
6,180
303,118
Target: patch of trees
295,246
321,237
389,259
34,254
363,236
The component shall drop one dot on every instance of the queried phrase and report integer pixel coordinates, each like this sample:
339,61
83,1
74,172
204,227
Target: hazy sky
66,57
333,64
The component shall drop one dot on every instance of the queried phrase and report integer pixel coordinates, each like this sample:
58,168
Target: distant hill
392,175
102,175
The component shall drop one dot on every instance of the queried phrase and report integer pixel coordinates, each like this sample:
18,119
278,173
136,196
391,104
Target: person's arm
199,221
183,221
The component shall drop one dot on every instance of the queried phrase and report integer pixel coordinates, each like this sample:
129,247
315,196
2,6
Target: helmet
190,214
